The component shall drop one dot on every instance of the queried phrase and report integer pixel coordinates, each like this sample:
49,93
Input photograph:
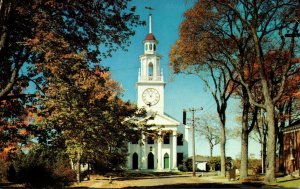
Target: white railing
150,78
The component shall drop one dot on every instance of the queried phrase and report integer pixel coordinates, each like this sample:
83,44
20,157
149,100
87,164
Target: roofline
172,117
153,83
146,40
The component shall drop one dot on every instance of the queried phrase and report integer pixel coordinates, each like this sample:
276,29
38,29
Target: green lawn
289,184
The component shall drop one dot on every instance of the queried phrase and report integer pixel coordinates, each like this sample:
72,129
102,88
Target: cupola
150,42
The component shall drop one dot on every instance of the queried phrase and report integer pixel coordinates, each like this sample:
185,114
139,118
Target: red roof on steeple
150,36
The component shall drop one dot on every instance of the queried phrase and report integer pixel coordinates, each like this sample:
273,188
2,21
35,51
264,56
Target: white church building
170,148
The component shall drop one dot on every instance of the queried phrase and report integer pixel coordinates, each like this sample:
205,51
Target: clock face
150,96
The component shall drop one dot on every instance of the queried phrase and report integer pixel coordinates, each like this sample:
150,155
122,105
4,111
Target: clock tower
150,85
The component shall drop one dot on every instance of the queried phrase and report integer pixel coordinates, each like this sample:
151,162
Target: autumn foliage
257,43
53,89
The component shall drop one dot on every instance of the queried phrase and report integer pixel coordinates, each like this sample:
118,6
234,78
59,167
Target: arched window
166,161
150,69
150,161
150,47
146,47
154,47
135,161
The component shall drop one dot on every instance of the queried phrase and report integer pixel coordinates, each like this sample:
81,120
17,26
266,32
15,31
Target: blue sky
181,91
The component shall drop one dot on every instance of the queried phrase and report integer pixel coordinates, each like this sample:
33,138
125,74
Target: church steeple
150,83
150,60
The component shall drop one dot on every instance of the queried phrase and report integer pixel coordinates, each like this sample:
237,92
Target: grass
293,183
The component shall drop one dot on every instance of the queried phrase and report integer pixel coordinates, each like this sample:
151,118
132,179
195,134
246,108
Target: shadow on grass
140,175
199,185
287,180
207,185
187,185
141,178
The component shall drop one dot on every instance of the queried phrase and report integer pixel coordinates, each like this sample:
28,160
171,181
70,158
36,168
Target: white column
139,76
186,141
129,158
142,153
174,156
159,158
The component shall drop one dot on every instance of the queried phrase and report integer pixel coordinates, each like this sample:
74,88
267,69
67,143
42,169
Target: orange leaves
109,88
49,55
250,71
295,60
199,43
6,151
72,56
22,132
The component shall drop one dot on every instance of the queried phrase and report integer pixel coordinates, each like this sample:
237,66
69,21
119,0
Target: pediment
162,120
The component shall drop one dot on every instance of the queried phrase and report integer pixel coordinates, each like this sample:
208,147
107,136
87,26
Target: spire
150,23
150,36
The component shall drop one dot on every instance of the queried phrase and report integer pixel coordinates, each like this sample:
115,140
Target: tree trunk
264,152
244,136
244,151
211,148
263,136
222,150
271,143
78,178
281,160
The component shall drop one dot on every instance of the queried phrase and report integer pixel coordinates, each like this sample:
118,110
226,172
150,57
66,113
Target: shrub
41,168
189,164
255,166
237,163
12,174
3,170
182,168
36,175
63,174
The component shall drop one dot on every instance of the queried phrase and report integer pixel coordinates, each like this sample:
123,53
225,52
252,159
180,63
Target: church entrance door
135,161
150,161
166,161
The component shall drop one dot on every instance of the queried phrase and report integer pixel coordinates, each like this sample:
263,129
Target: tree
221,90
200,56
34,35
83,109
98,28
237,26
249,117
208,127
248,120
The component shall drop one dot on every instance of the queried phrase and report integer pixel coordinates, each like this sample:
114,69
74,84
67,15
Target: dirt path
174,181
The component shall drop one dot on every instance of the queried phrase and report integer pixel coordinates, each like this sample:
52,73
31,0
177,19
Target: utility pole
193,110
